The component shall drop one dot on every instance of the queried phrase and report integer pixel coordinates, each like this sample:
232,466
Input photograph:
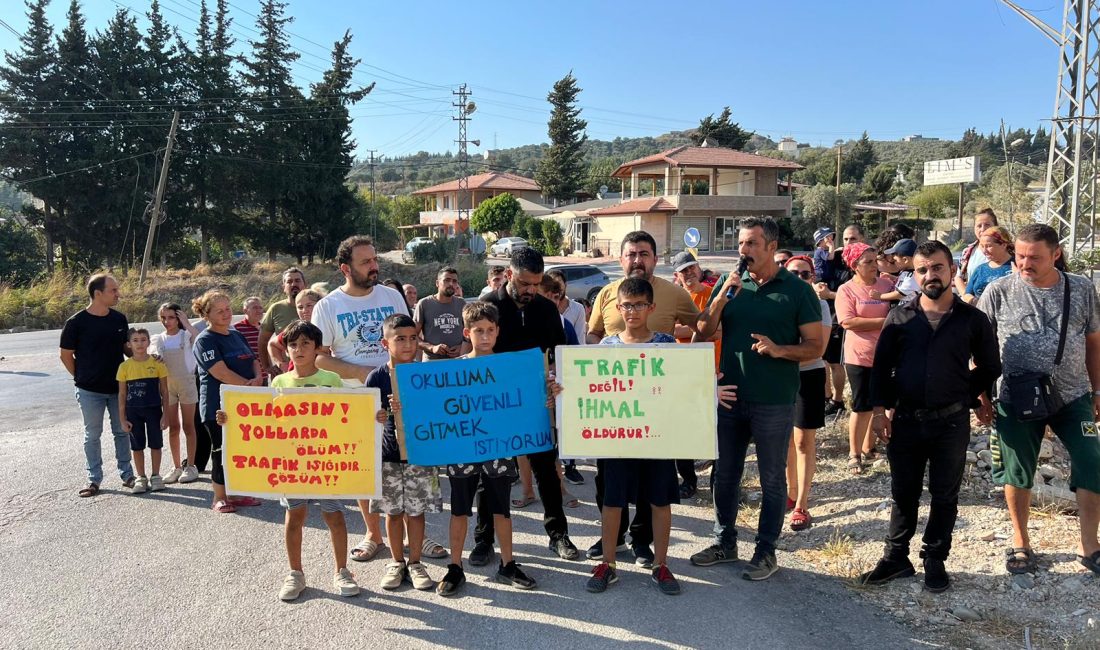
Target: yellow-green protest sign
302,442
637,401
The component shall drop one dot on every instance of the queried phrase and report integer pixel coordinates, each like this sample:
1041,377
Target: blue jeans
92,406
769,426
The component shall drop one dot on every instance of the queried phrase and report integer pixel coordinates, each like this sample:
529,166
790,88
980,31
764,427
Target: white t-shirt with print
352,325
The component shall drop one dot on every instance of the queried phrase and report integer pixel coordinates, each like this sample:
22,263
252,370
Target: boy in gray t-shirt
439,318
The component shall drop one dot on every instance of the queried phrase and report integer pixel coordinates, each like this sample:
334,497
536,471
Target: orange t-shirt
701,298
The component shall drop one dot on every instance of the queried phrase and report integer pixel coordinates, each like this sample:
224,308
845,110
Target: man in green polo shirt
280,314
772,323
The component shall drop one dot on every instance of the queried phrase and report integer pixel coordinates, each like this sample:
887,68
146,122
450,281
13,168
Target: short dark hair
1039,232
343,252
299,328
396,322
931,247
559,276
636,287
858,228
97,282
393,283
445,270
496,269
767,224
903,230
991,213
136,330
784,251
527,259
294,269
638,237
478,310
550,283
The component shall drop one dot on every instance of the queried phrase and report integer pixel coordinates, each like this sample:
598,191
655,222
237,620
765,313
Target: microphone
742,265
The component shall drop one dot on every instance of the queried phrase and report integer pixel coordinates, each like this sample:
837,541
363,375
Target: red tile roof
487,181
722,157
636,206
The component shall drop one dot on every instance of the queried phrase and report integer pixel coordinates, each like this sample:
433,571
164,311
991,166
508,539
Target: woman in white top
173,347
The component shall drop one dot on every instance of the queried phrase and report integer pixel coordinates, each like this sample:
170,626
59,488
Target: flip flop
90,490
524,502
245,502
571,502
1091,562
366,550
224,508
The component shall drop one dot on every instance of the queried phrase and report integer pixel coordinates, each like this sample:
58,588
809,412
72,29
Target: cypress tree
561,171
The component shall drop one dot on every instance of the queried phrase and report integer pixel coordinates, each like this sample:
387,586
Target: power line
74,171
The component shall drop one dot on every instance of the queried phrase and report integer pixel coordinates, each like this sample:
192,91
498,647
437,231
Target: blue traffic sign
691,237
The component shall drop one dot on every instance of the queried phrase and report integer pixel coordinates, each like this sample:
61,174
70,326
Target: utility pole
154,217
465,109
839,151
373,213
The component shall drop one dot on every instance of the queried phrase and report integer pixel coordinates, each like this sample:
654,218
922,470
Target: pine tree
721,131
858,159
561,171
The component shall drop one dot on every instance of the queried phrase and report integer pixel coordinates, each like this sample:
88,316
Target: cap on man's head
822,233
904,247
682,260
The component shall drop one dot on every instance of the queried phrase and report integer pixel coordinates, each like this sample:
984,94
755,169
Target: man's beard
638,271
365,282
294,291
520,298
449,292
933,289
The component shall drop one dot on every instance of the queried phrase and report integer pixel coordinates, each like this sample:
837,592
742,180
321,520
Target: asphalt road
164,571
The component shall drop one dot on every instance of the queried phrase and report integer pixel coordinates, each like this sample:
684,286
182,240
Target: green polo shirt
775,310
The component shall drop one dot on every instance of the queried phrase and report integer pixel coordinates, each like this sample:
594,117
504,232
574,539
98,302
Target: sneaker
511,574
573,475
156,483
293,585
345,583
595,552
139,486
761,567
190,474
564,548
935,575
687,491
173,476
418,575
887,570
643,556
396,573
603,575
481,554
714,554
452,582
665,581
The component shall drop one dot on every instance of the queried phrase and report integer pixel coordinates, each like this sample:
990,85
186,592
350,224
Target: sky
815,71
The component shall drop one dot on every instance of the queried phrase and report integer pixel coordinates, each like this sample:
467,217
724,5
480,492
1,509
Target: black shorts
836,345
627,480
145,427
809,405
464,490
859,378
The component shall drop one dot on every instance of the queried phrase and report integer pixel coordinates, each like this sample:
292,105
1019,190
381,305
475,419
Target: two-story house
442,202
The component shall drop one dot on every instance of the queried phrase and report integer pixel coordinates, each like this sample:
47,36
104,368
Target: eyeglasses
805,275
633,306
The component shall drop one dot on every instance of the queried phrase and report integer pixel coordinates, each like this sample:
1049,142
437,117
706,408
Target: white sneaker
418,574
190,474
345,583
141,485
293,585
156,483
394,575
173,476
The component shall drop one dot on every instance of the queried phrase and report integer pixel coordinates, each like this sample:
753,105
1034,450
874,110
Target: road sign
691,237
953,170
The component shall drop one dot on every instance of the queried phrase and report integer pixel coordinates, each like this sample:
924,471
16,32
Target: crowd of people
919,341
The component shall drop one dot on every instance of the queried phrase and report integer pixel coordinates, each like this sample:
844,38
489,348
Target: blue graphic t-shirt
210,348
352,325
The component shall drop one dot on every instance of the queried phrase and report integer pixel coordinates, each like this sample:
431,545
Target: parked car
584,280
507,245
407,255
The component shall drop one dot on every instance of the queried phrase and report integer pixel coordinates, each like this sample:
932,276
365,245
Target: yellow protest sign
302,442
637,401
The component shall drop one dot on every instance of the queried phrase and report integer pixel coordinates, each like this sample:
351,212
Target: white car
507,245
407,255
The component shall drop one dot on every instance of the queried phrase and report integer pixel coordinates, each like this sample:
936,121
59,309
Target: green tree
497,215
551,237
858,159
561,171
21,258
934,201
816,206
878,182
599,174
721,131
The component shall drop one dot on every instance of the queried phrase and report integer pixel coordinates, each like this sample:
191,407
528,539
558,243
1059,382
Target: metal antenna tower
1071,190
465,110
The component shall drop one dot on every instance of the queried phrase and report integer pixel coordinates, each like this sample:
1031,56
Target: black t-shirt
380,378
98,343
537,325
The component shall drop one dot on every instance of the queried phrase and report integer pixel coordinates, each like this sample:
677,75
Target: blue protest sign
474,410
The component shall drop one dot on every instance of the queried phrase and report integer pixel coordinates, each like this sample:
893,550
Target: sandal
245,502
224,508
800,519
366,550
854,465
432,549
90,490
1091,562
570,501
872,455
524,502
1017,565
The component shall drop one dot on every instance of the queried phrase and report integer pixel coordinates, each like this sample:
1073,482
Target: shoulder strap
1065,321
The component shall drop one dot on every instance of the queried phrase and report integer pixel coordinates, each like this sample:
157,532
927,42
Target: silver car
584,280
507,245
